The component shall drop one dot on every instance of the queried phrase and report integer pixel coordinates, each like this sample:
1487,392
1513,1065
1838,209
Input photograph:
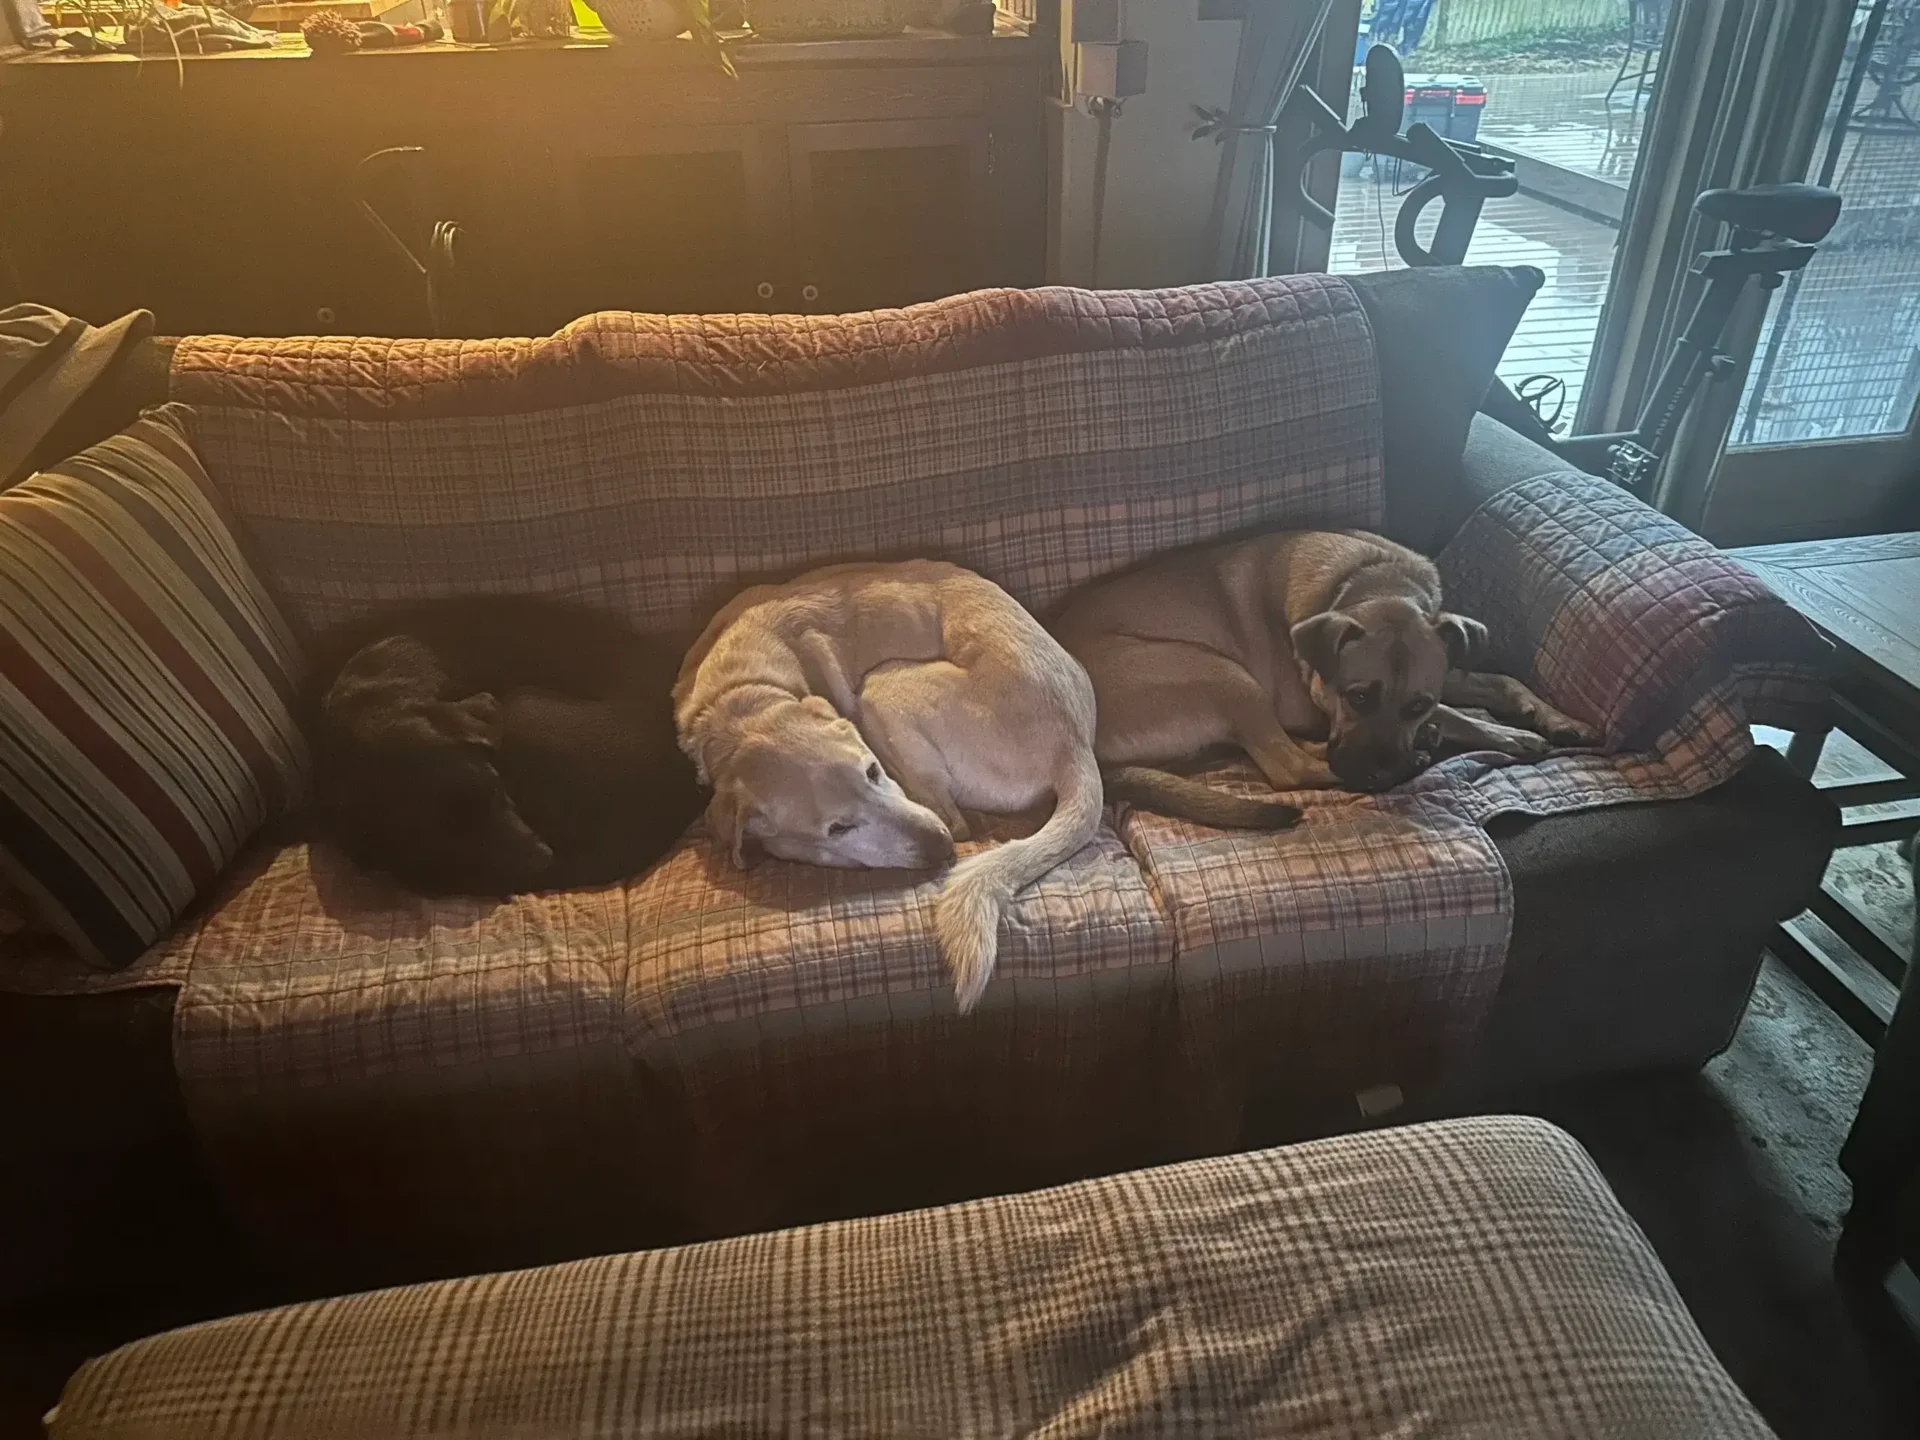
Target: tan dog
1324,655
848,718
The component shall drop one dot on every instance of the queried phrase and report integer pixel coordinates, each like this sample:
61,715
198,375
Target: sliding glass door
1822,438
1564,88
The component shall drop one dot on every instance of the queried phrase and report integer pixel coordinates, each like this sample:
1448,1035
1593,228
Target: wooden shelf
1010,46
584,174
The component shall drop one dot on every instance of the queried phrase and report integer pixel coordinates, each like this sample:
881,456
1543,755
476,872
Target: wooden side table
1865,595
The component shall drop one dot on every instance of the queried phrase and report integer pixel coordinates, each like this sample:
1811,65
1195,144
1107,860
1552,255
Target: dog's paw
1519,744
1564,730
1568,733
475,720
1525,745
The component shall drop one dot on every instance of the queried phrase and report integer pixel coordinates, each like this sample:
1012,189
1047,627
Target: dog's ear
1319,638
727,821
1465,639
819,706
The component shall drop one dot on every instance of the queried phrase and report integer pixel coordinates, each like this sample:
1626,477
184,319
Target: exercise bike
1775,230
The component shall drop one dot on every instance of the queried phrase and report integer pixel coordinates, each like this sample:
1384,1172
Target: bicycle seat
1794,211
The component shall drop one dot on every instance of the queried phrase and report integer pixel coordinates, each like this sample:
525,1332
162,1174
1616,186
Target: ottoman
1470,1277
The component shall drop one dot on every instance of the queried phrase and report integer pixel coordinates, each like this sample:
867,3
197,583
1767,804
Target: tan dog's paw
1317,776
1520,744
1564,731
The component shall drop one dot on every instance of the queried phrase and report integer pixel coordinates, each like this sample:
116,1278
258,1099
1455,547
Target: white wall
1159,180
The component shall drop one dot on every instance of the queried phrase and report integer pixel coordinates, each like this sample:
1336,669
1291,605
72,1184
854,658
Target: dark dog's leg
1508,700
472,721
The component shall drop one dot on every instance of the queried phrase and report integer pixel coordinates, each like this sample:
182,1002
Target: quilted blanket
1471,1278
735,1047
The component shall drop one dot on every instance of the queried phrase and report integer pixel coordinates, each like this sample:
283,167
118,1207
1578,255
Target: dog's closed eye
873,773
839,827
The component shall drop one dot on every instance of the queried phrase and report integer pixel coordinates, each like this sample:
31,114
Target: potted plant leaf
665,20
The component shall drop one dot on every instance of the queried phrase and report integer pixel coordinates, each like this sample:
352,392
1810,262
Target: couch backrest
655,464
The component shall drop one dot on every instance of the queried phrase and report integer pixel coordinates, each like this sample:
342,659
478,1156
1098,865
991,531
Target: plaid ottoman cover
1474,1277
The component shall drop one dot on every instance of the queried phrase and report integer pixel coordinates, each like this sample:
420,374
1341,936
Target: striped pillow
147,683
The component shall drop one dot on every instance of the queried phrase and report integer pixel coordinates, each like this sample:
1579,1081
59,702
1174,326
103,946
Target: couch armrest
1620,615
1495,457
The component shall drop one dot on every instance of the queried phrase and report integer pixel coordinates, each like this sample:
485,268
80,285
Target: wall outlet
1112,72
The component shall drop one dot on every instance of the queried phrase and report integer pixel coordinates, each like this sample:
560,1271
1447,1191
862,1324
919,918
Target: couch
383,1088
1473,1277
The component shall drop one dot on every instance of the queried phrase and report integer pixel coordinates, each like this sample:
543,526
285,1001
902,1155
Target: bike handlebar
1459,169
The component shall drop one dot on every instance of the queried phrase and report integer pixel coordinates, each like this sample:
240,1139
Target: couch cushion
1359,949
1474,1277
390,1085
724,958
654,464
145,689
1438,332
310,970
719,1041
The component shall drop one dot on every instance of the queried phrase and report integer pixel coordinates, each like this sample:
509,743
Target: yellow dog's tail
966,917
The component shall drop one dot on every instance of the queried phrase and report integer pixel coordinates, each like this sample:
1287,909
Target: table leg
1803,751
1882,1153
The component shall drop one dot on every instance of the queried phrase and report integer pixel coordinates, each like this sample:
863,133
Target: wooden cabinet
830,176
824,217
891,212
677,219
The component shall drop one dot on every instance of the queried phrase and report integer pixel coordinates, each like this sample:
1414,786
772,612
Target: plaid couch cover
1473,1277
1624,617
741,1048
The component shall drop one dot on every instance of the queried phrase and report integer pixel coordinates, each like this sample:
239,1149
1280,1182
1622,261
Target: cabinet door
890,212
675,219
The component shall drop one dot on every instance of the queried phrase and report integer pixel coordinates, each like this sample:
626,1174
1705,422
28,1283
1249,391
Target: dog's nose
937,851
1351,767
1362,771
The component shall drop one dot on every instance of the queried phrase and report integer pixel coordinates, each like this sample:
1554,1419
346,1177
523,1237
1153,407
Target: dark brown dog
496,744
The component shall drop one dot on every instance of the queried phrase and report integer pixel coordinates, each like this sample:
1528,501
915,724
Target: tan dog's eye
873,773
1414,709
